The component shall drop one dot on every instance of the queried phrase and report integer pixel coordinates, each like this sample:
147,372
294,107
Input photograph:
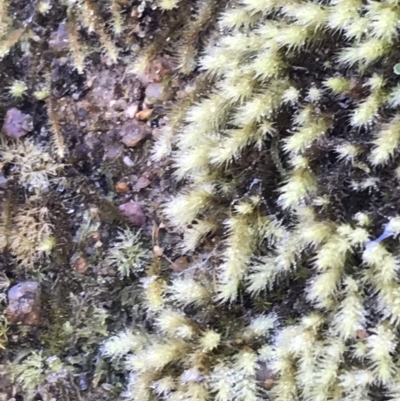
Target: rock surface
24,303
133,132
17,124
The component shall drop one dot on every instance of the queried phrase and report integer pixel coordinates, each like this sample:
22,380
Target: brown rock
180,264
121,187
133,132
134,213
81,265
17,124
144,115
24,303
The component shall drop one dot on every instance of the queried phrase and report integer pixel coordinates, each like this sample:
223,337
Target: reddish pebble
121,187
81,265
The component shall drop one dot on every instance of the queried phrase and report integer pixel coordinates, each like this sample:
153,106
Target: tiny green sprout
47,244
17,89
43,7
168,4
41,94
396,69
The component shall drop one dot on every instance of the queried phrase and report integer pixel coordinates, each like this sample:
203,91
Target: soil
94,111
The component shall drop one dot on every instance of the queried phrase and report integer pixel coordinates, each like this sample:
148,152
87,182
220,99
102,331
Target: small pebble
131,111
133,132
81,265
144,115
17,124
128,161
134,213
24,303
121,187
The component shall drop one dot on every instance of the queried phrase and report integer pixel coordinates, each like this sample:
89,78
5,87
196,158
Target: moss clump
316,79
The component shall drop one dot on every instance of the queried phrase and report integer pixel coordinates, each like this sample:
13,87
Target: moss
285,153
53,337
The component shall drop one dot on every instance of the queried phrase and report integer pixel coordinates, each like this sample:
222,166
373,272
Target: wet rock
134,213
17,124
24,303
133,132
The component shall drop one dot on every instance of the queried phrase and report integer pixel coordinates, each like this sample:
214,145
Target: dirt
110,183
